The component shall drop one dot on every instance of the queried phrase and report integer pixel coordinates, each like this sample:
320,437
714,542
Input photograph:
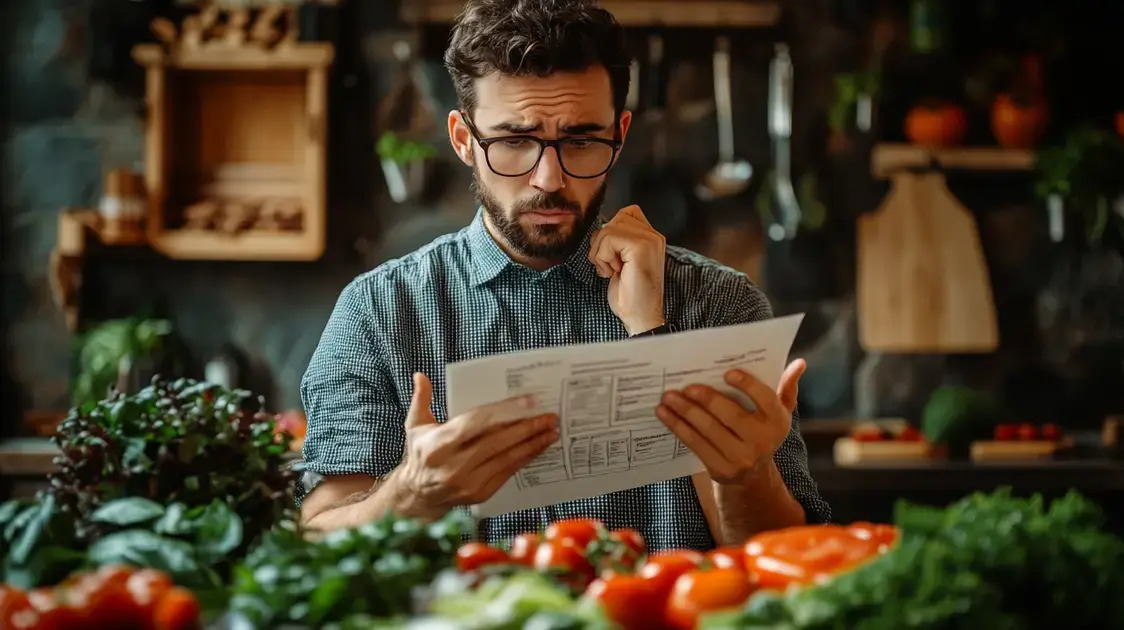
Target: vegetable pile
172,508
110,598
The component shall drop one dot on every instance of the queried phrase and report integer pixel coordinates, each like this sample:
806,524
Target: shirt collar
489,260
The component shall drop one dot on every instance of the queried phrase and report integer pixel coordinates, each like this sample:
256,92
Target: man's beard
547,241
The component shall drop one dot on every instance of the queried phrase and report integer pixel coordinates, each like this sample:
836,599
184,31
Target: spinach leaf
127,512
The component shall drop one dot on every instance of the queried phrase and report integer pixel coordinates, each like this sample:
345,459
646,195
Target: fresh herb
988,561
371,570
101,350
183,442
391,147
1087,173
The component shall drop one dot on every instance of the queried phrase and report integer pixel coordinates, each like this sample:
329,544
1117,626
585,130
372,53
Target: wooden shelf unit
77,229
241,129
888,158
634,13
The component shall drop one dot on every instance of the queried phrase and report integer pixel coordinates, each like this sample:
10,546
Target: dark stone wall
62,128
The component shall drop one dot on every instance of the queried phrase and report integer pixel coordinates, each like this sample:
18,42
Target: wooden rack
235,137
635,13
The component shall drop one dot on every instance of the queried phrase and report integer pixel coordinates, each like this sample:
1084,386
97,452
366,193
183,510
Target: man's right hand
465,460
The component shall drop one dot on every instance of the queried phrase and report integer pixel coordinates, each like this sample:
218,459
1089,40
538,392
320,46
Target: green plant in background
102,349
392,148
849,87
1087,173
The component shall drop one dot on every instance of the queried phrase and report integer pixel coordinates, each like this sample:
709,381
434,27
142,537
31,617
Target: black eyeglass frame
614,144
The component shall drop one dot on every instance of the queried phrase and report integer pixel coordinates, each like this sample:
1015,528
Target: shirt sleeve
739,302
356,423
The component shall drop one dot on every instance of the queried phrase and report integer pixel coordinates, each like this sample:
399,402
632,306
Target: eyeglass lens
579,158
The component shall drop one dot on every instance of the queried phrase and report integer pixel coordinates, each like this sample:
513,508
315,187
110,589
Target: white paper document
605,395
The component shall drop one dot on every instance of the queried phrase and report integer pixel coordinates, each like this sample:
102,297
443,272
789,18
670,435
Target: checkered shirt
461,297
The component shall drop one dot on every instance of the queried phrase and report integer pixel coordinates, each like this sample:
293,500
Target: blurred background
938,185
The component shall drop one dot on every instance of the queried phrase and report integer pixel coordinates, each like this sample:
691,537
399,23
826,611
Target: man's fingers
472,424
496,471
768,404
634,212
502,438
708,453
420,402
789,388
726,410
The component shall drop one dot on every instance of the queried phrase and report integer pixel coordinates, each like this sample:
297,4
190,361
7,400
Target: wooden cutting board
922,283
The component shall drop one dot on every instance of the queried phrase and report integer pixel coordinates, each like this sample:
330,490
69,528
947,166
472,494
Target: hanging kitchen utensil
405,118
659,188
923,283
730,176
796,267
785,210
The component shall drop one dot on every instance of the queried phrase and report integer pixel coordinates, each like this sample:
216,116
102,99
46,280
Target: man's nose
548,175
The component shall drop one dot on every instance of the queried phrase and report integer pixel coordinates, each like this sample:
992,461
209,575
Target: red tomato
1006,432
628,600
883,534
1051,432
662,569
565,559
102,600
909,434
804,555
581,530
727,558
474,555
629,538
178,610
523,548
868,435
1028,432
15,608
53,610
147,587
699,592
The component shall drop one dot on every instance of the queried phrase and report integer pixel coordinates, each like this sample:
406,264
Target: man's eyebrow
512,127
573,130
583,128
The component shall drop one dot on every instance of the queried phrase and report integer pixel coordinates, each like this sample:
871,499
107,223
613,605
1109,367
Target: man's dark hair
535,38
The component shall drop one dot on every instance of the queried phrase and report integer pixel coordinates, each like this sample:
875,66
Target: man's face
542,215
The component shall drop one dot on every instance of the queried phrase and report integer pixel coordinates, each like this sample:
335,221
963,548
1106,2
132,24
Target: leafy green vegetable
371,570
525,600
988,561
957,415
39,541
182,441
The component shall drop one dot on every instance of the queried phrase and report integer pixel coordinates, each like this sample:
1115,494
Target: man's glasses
515,156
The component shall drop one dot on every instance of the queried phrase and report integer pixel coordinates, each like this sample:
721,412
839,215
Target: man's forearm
763,504
384,495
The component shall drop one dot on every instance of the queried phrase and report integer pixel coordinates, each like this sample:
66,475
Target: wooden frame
268,185
635,13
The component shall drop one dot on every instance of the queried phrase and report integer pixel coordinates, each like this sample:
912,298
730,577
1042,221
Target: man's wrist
402,501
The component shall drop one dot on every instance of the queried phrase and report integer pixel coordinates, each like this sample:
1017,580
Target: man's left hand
734,443
630,252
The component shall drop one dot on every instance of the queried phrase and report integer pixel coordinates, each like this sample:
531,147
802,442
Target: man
541,122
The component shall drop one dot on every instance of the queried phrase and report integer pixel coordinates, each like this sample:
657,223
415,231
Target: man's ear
460,137
622,129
